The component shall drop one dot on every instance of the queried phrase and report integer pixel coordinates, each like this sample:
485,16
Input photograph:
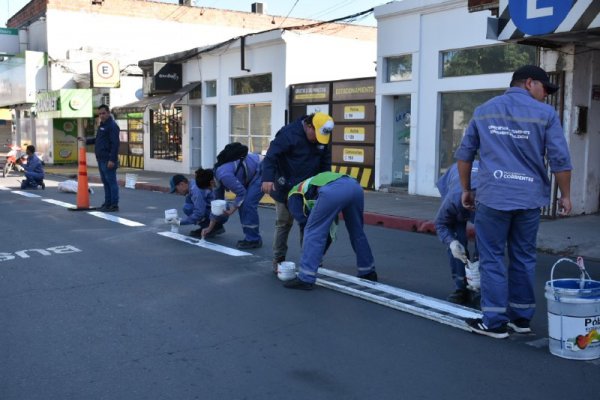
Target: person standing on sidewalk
451,228
34,170
298,151
107,149
512,133
315,204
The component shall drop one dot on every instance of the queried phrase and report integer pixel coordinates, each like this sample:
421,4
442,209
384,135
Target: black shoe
371,276
460,296
43,185
246,244
296,283
113,208
520,325
477,326
196,233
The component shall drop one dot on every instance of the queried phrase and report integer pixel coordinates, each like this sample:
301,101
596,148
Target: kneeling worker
315,204
198,195
34,170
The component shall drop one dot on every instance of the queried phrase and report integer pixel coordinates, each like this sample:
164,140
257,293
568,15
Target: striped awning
562,21
165,101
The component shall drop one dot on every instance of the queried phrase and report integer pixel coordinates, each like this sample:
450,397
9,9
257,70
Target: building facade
437,62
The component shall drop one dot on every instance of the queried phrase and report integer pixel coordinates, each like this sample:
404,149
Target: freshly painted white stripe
60,203
203,243
5,188
26,194
420,299
114,218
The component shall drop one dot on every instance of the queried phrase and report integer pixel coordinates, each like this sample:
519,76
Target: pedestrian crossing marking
114,218
60,203
205,244
26,194
5,188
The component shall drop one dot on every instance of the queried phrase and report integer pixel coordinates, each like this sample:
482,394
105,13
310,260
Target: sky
313,9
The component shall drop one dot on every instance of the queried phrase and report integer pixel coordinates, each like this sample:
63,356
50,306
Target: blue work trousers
457,267
32,180
249,210
109,180
507,294
343,195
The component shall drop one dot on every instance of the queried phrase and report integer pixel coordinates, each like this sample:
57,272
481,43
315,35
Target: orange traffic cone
83,196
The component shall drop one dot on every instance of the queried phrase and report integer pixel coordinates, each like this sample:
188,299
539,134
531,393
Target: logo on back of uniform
498,174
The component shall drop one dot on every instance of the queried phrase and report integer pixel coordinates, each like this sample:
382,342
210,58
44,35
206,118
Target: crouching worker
239,172
451,227
34,171
315,204
198,195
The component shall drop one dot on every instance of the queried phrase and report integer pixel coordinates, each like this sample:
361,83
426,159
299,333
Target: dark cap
537,74
176,180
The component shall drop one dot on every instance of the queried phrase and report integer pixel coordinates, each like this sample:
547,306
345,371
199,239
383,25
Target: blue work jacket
106,142
237,182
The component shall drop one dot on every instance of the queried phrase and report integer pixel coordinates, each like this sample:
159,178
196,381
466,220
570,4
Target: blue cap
176,180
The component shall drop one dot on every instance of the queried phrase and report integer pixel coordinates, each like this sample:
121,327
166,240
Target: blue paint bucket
573,315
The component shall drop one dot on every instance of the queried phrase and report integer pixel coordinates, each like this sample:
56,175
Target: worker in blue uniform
315,204
243,178
298,151
451,228
34,170
198,195
514,133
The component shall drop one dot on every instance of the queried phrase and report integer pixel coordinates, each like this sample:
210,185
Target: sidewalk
573,236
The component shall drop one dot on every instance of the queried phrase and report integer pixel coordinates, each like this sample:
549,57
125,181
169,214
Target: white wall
424,28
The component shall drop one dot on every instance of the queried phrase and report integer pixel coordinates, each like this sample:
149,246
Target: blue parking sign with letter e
538,17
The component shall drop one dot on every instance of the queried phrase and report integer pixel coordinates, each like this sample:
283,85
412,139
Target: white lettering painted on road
534,12
64,249
203,243
26,194
60,203
114,218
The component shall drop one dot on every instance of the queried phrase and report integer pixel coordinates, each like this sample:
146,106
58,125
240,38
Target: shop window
398,68
456,112
251,125
165,134
251,84
211,88
486,60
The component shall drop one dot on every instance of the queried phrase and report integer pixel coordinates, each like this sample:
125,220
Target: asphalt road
91,308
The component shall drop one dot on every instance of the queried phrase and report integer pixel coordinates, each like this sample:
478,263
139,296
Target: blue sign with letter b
538,17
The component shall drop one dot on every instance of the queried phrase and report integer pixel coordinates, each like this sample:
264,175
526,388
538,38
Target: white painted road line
203,243
399,299
114,218
60,203
26,194
5,188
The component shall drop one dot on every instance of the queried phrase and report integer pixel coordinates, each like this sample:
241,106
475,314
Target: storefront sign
363,89
65,103
354,155
105,74
311,93
354,112
168,78
354,134
65,140
9,41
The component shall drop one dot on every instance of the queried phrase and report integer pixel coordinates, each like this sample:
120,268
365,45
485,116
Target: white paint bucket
170,214
130,180
217,207
574,315
286,270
